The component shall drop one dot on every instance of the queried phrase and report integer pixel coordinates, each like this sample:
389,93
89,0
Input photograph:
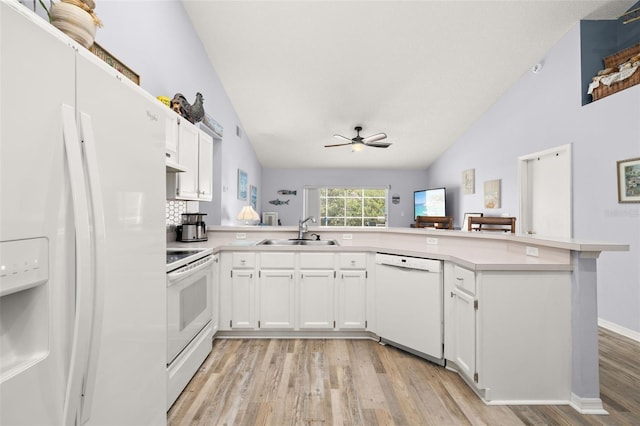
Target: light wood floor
359,382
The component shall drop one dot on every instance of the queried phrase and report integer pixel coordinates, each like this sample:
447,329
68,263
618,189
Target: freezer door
36,219
123,132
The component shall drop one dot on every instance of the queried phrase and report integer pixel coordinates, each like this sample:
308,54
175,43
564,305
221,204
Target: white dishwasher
409,311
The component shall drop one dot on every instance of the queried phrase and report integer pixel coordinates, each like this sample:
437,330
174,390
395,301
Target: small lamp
248,213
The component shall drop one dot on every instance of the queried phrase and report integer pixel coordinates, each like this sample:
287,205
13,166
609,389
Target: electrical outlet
432,241
532,251
240,235
347,237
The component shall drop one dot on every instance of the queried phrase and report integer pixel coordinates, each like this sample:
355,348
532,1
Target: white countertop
481,251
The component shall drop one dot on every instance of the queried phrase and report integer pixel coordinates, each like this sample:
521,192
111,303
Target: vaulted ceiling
298,72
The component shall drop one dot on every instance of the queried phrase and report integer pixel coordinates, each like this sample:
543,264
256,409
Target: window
344,206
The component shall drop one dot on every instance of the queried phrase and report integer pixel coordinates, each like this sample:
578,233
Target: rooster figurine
194,113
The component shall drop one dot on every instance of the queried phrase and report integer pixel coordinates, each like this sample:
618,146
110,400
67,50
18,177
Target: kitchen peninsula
519,313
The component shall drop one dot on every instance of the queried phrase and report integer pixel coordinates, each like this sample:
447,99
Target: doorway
545,193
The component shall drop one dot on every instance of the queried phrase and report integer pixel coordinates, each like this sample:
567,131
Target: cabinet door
243,299
188,155
352,299
316,299
464,318
276,299
171,137
205,167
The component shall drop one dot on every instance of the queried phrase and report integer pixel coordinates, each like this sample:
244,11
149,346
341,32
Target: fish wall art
287,192
279,202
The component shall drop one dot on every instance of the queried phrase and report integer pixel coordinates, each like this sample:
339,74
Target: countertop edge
561,243
476,266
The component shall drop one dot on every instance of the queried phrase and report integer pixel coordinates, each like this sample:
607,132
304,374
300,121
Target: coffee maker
193,228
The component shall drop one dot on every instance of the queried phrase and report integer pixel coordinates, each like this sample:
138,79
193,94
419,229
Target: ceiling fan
358,143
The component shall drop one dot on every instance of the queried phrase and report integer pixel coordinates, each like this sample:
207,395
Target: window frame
308,211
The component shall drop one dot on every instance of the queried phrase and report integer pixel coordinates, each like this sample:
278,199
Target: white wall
157,41
543,111
402,182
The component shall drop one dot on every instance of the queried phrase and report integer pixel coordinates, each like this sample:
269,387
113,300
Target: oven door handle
186,271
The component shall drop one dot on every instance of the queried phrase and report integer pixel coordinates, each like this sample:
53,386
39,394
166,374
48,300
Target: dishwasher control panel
409,262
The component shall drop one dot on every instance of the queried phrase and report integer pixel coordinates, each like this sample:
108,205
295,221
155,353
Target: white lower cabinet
352,299
460,331
316,299
464,332
243,296
293,291
316,291
508,333
276,299
276,295
238,291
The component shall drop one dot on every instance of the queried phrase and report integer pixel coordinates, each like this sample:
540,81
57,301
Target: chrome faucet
302,226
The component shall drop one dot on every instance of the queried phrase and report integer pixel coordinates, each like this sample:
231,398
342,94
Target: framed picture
254,196
629,181
469,181
465,222
492,194
270,218
242,185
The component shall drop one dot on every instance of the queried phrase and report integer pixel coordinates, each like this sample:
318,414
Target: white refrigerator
82,235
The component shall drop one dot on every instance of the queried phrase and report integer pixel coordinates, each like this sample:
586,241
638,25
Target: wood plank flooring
359,382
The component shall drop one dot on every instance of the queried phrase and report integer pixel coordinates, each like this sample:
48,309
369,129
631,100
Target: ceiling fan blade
338,144
379,145
342,137
373,138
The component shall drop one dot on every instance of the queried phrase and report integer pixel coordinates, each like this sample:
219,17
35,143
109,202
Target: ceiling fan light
357,147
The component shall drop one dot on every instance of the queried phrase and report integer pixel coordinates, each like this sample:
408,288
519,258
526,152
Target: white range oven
189,311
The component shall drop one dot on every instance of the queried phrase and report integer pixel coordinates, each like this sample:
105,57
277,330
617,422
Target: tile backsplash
174,212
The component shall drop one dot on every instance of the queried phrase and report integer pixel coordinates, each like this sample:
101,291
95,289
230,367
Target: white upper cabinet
205,167
195,154
171,143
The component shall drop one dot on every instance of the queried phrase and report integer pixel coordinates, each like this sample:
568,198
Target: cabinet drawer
243,260
464,279
353,261
316,261
277,260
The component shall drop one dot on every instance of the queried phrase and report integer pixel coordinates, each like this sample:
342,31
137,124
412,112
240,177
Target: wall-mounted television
429,202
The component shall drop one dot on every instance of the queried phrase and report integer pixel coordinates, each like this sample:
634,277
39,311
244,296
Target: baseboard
633,335
300,334
528,402
587,405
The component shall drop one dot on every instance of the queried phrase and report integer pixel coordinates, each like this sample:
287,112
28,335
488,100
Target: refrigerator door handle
84,291
99,229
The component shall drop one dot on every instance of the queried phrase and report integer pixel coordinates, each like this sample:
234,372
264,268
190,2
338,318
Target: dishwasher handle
405,268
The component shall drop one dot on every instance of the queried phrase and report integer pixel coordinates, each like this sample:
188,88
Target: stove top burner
175,255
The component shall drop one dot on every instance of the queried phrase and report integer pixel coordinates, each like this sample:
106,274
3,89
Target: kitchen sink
297,242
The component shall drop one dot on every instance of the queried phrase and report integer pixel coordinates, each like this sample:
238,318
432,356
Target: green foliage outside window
353,207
